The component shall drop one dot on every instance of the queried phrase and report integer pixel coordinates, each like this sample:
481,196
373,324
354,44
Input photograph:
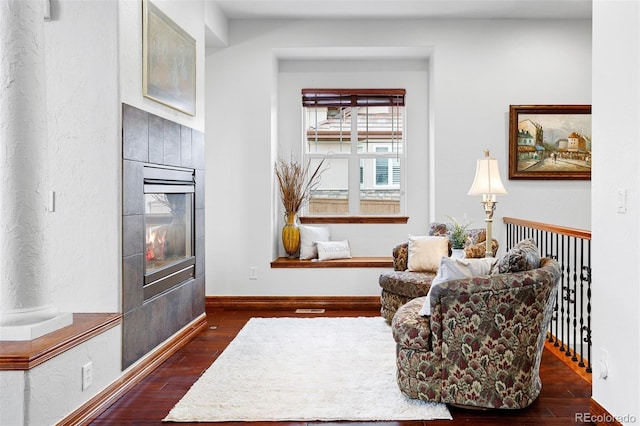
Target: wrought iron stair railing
570,328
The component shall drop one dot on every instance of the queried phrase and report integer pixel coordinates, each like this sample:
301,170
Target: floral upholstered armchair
483,342
402,285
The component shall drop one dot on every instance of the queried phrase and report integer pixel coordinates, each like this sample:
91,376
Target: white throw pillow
328,250
309,236
425,252
454,269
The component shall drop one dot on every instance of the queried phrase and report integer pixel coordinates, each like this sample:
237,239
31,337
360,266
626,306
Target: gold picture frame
168,61
550,142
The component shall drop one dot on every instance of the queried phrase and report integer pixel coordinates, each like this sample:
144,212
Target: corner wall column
25,309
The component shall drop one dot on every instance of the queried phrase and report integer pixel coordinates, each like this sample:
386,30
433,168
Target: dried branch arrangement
296,183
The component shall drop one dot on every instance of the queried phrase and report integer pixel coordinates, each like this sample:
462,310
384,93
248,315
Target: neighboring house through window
361,131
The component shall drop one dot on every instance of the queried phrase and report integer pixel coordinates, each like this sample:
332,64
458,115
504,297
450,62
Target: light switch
51,203
622,200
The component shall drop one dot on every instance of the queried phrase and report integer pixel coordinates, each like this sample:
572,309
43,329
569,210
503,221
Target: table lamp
487,183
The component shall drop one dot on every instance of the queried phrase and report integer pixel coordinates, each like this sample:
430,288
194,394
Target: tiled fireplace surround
149,139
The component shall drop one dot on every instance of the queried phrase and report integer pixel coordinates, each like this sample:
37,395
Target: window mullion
354,165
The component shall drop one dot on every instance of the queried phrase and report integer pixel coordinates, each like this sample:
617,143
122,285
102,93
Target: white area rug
304,369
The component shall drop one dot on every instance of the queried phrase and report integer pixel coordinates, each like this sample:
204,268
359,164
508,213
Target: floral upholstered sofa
483,342
402,285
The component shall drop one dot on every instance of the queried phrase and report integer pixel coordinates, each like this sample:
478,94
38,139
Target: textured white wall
83,119
92,67
80,242
55,387
23,285
92,62
478,68
12,397
616,294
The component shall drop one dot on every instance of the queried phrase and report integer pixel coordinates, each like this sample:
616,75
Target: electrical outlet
621,203
253,273
87,375
604,364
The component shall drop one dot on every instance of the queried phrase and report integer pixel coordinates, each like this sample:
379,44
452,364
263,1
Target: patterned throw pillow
476,235
438,229
454,269
329,250
523,256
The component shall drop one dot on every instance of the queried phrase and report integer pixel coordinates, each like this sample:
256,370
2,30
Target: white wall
410,73
479,72
82,236
55,387
616,294
12,401
477,69
189,15
93,63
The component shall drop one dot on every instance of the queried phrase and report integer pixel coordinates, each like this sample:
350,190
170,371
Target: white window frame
354,170
389,166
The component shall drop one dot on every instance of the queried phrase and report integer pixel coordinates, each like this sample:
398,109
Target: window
387,170
362,132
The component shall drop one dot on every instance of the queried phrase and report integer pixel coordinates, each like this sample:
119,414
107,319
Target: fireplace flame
156,243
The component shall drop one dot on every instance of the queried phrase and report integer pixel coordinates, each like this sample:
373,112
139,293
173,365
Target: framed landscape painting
550,142
168,61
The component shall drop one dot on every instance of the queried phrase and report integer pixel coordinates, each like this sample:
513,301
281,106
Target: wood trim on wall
352,262
353,219
84,414
29,354
293,302
562,356
601,417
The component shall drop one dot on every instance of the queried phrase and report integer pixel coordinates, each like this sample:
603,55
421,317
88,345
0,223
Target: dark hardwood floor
564,393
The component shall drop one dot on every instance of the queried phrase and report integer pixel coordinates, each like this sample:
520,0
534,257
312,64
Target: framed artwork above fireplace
168,61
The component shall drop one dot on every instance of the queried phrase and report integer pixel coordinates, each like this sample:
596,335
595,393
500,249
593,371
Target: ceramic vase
457,253
291,234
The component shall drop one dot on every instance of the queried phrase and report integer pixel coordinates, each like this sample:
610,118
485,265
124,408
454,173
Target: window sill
353,219
354,262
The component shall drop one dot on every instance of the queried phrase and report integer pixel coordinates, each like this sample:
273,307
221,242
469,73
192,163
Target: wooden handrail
562,230
570,327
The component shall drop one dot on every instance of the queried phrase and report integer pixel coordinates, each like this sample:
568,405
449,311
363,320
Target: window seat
354,262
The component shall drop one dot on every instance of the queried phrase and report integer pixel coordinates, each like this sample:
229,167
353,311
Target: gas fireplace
169,256
163,241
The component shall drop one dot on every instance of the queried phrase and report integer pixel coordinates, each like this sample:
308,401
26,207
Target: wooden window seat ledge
354,262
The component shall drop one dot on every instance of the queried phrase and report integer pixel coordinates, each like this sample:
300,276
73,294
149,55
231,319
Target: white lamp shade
487,180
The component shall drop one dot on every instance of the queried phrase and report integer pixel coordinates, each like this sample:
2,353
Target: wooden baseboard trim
293,302
103,400
601,417
573,365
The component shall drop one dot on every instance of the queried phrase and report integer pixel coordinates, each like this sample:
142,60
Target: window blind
352,97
